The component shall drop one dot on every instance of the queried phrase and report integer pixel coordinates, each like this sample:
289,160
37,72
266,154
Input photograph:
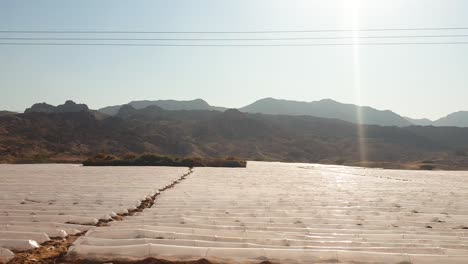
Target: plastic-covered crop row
41,202
295,213
251,255
5,255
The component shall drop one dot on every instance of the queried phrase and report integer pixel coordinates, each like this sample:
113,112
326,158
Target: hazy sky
417,81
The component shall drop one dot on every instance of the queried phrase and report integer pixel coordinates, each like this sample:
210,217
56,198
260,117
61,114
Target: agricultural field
40,203
276,212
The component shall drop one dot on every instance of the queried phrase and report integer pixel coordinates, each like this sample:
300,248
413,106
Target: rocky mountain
41,108
459,119
420,122
5,113
39,136
197,104
68,107
327,109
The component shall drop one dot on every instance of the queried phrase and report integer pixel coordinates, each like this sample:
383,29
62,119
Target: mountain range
197,104
326,108
45,134
68,106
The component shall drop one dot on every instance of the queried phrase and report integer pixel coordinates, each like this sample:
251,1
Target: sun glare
353,7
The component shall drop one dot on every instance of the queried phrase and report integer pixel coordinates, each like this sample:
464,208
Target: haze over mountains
455,119
420,122
45,134
268,129
69,106
326,108
197,104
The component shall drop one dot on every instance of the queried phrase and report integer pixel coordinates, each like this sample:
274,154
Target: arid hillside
73,136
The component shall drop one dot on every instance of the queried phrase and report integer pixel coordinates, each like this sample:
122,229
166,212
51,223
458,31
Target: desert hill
68,107
327,109
40,136
5,113
197,104
459,119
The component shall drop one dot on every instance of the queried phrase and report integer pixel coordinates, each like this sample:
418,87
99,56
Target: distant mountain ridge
455,119
43,136
327,108
420,122
5,113
68,107
172,105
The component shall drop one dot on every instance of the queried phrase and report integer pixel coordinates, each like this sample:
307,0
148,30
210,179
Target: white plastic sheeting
5,255
295,213
40,202
71,229
36,236
50,232
18,244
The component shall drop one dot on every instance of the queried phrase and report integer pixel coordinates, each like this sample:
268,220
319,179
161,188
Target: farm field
295,213
42,202
278,212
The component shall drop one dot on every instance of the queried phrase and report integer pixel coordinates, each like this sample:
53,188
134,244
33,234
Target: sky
412,80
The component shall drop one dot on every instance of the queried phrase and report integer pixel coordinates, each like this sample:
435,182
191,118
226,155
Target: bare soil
50,252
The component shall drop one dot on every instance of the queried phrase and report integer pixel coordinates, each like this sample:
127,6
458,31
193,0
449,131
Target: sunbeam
354,7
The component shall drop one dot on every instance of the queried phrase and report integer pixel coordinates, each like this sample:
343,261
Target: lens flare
355,9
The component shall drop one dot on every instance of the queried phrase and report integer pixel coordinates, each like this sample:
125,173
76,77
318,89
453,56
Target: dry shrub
427,167
159,160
